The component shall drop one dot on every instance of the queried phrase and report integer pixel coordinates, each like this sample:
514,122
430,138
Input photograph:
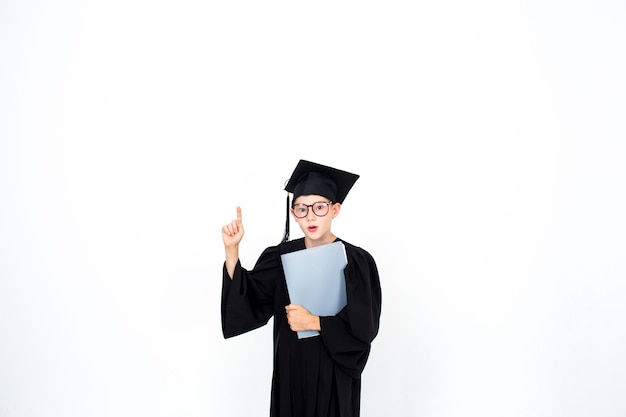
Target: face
316,228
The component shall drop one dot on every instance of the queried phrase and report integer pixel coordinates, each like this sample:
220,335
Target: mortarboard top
311,178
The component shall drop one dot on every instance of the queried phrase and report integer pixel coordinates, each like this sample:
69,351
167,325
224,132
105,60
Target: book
316,281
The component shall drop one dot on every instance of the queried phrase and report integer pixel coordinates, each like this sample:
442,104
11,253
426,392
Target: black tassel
286,234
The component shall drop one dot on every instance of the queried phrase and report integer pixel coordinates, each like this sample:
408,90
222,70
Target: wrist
316,323
232,253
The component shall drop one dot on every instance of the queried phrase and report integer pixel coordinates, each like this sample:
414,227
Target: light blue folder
315,280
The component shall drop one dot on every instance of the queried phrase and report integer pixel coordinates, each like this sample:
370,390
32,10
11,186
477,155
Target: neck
311,243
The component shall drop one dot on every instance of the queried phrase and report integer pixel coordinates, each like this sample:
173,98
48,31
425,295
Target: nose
310,215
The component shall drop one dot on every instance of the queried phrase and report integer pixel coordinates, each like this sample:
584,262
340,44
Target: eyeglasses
320,209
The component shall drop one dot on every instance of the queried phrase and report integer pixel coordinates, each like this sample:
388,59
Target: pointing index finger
238,214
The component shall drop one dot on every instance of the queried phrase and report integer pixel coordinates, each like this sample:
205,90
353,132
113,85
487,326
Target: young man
316,376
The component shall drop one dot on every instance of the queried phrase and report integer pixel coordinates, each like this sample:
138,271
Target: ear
336,208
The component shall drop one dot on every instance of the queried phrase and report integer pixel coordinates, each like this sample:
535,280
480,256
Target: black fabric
310,178
316,183
318,376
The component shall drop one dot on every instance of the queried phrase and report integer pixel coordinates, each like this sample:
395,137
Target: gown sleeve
349,334
247,299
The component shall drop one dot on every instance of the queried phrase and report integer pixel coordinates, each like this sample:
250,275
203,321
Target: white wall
489,138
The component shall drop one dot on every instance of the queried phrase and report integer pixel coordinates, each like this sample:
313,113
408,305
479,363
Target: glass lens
320,209
300,210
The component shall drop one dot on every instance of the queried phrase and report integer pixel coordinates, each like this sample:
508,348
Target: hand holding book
300,319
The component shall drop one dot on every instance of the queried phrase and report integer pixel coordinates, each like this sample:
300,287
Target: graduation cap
311,178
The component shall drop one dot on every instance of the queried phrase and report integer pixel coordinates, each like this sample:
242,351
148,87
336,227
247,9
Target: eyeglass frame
309,208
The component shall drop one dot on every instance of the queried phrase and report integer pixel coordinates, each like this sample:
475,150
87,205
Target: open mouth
312,228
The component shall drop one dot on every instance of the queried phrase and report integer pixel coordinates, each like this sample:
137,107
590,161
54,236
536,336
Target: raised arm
232,233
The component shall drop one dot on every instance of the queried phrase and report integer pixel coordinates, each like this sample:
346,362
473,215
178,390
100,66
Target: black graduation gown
318,376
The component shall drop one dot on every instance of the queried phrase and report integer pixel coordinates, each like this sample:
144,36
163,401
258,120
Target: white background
490,141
